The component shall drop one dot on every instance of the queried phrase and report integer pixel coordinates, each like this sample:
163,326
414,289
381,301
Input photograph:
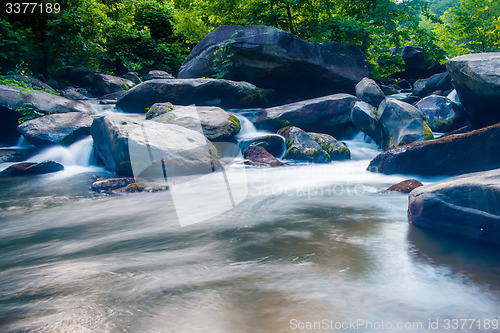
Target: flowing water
310,244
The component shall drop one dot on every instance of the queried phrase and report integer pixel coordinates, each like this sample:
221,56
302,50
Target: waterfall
248,129
78,154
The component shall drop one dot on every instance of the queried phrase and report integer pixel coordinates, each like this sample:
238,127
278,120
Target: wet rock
368,91
216,123
477,80
442,114
15,155
465,207
406,186
109,184
401,123
157,74
151,150
31,168
274,144
425,87
202,92
302,147
275,59
58,128
335,149
451,155
329,114
364,117
259,156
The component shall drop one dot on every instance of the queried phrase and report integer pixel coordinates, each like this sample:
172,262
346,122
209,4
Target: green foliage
28,112
12,47
223,55
23,85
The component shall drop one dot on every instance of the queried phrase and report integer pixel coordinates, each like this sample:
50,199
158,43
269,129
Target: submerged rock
450,155
275,59
216,123
109,184
151,149
302,147
406,186
31,168
58,128
329,114
202,92
259,156
466,207
476,78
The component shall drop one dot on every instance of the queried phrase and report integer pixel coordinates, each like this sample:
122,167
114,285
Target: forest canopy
118,36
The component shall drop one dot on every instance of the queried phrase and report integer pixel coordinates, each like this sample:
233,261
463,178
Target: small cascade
248,129
361,148
77,154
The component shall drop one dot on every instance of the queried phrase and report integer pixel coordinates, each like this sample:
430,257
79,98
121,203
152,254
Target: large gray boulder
368,91
425,87
216,123
441,113
450,155
364,117
57,128
302,147
275,59
466,207
201,92
329,114
143,148
401,123
476,78
14,101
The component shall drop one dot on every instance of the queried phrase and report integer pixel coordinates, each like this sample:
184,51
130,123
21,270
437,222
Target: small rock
156,74
260,156
31,168
110,184
302,147
406,186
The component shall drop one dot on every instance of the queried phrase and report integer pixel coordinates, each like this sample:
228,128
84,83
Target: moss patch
428,135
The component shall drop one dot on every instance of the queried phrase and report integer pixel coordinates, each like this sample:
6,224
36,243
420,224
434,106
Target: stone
132,77
259,156
15,154
414,57
406,186
401,123
31,168
109,184
275,59
368,91
31,81
425,87
442,114
201,92
302,147
157,74
364,117
329,114
464,207
476,77
450,155
273,143
335,149
57,128
131,146
216,123
405,97
104,84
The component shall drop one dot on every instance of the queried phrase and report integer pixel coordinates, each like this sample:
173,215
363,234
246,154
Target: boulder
425,87
109,184
388,90
31,81
216,123
302,147
103,84
275,59
72,74
406,186
329,114
259,156
273,143
401,123
74,94
143,148
405,97
465,207
335,149
442,114
203,92
477,80
450,155
31,168
368,91
57,128
157,74
132,77
364,117
414,57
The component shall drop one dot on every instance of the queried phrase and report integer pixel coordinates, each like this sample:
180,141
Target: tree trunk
290,22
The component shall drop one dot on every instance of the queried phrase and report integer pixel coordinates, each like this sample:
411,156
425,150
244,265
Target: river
307,245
